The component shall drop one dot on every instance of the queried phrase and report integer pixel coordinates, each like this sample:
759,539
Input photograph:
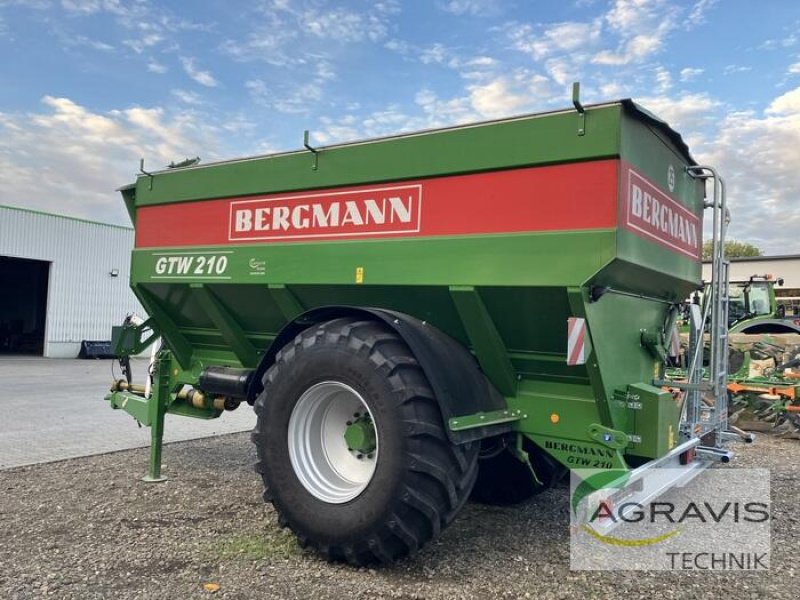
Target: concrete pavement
52,409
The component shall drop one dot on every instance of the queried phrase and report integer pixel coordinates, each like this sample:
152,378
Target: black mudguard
458,383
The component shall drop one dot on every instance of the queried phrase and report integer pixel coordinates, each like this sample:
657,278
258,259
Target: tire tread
443,474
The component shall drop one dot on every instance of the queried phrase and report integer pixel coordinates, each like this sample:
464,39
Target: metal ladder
699,419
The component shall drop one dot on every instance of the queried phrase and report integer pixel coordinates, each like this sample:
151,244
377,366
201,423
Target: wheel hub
360,436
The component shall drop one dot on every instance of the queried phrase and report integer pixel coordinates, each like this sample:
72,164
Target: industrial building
785,267
62,281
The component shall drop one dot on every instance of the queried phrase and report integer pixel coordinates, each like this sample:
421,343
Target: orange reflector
554,418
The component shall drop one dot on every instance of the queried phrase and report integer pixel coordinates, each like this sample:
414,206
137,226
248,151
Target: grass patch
258,546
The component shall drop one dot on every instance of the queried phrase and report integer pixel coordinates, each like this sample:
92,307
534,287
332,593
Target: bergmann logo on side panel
370,212
653,215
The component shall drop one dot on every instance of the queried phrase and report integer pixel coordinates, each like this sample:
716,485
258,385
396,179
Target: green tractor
753,307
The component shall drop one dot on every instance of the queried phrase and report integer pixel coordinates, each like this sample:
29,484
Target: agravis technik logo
719,521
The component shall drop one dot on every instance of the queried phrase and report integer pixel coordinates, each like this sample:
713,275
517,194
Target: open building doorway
23,305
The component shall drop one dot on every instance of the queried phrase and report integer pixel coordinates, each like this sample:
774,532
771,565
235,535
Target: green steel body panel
506,296
537,140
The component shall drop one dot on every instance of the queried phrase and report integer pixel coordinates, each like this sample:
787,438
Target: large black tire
420,479
503,479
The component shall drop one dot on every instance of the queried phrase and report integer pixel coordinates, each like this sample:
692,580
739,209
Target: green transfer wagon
416,319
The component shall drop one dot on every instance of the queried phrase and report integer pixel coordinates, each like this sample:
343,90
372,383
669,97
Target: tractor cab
753,298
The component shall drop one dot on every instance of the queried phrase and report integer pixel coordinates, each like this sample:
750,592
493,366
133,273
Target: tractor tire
352,448
503,479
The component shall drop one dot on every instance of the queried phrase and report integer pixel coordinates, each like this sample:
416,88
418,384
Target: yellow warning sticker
359,274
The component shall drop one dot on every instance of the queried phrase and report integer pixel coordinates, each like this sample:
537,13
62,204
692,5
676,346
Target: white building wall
787,267
84,300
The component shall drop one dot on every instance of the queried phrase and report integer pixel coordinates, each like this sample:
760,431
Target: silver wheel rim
319,454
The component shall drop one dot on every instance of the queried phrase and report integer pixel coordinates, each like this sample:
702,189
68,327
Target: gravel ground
88,528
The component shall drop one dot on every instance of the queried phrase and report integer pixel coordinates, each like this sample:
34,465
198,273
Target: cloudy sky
87,87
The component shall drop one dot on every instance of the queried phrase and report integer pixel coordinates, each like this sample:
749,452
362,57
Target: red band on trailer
569,197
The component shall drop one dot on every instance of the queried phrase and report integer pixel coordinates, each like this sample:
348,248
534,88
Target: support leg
157,406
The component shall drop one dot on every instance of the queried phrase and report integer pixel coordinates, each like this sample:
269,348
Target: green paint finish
157,408
182,409
483,419
509,260
171,332
288,304
611,438
575,454
226,323
309,275
134,405
506,297
555,409
524,141
656,418
360,436
652,154
484,338
616,323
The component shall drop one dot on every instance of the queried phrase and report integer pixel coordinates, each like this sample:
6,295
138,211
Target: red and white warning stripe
576,341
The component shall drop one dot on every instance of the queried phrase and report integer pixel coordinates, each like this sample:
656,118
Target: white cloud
497,98
663,79
390,120
32,4
325,71
434,54
147,41
469,7
731,69
343,25
75,41
202,77
794,69
293,33
187,97
786,105
632,15
635,50
156,67
612,89
541,42
562,70
68,159
94,6
641,26
402,47
697,16
629,32
691,73
481,61
342,129
285,98
779,43
686,112
758,155
266,43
